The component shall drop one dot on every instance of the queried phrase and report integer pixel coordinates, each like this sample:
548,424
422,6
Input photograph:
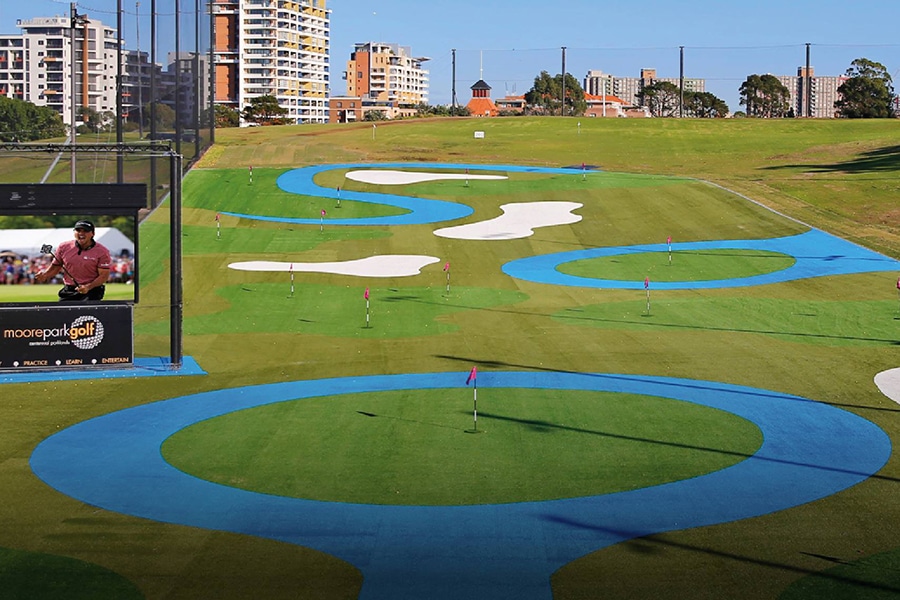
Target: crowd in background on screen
18,269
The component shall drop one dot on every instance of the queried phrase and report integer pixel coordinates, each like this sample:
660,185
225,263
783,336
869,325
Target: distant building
37,65
268,48
481,104
349,109
823,93
629,88
387,73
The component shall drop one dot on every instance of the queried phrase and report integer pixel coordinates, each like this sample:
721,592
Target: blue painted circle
810,450
817,254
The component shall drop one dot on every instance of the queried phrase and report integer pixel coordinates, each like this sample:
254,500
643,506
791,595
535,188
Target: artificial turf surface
823,339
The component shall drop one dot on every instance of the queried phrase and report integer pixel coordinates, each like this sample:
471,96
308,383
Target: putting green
412,447
687,265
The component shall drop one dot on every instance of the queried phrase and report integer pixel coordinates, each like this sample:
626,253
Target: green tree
704,105
265,110
22,121
225,116
546,93
868,93
765,96
375,115
662,98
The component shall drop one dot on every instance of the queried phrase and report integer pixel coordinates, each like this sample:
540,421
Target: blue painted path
810,450
421,210
817,254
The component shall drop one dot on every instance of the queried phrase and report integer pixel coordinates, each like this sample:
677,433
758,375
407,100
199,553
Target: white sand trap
889,384
387,177
392,265
518,220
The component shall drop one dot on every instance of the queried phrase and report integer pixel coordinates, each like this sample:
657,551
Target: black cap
86,225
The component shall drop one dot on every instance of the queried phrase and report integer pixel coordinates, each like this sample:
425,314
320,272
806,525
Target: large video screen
38,225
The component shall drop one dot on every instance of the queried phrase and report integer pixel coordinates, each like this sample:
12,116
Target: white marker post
322,221
218,228
669,244
366,296
251,175
292,279
647,287
447,270
339,196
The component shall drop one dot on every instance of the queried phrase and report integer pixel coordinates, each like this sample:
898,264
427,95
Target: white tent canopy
28,242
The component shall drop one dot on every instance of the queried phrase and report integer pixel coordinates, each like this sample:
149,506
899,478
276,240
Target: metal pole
178,77
73,15
453,82
175,282
140,67
120,130
153,183
198,79
211,68
562,108
681,81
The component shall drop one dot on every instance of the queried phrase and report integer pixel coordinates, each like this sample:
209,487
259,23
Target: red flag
646,283
582,166
323,212
472,376
898,283
217,216
669,240
366,294
447,268
251,169
292,267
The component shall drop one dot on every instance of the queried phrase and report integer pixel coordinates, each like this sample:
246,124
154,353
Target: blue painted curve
810,450
817,254
421,210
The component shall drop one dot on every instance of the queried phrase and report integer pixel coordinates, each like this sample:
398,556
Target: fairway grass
822,338
411,447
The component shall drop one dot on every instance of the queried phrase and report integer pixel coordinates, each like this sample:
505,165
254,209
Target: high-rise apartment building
388,73
629,88
818,101
42,65
273,48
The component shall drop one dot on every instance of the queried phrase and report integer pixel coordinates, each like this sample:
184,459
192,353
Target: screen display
36,219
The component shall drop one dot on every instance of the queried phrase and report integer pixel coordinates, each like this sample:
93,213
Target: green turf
38,576
821,322
834,333
336,311
687,265
411,447
870,578
48,292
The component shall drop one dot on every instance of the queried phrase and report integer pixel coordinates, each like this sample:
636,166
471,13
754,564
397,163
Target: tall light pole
140,68
120,129
562,108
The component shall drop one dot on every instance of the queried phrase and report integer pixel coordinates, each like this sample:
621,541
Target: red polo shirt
84,265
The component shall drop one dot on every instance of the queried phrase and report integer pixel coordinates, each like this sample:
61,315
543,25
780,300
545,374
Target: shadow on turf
547,427
823,336
641,543
873,161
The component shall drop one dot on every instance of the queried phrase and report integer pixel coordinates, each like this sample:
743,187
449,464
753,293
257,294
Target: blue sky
511,42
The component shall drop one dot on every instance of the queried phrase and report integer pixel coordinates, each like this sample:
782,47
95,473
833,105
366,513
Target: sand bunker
387,177
889,384
517,221
392,265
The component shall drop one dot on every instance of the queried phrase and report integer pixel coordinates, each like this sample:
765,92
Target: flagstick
292,280
218,230
475,406
367,313
448,282
648,301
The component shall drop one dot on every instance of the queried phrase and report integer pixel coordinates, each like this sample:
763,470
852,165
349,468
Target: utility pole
453,83
681,82
807,85
562,108
73,21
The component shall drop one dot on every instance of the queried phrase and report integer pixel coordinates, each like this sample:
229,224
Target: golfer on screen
84,263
